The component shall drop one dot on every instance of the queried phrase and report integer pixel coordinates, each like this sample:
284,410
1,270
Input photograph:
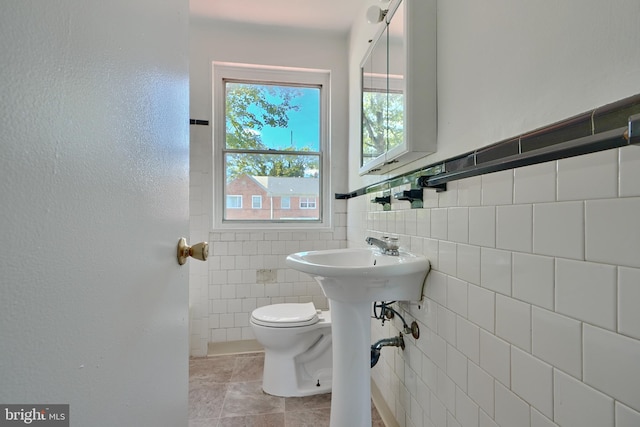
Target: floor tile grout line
228,385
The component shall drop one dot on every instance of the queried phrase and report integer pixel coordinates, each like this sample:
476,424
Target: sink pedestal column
351,382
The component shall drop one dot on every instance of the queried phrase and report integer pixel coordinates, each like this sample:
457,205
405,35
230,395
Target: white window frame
238,197
278,75
307,203
253,201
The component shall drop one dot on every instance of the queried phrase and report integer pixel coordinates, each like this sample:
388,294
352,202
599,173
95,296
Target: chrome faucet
388,245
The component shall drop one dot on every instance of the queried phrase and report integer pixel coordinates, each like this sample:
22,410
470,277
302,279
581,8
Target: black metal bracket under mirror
413,196
385,201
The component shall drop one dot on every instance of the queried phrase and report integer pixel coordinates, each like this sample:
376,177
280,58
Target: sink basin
364,275
352,279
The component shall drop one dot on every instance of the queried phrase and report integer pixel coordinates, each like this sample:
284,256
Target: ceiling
328,15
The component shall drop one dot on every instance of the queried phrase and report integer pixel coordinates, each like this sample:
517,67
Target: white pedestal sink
352,279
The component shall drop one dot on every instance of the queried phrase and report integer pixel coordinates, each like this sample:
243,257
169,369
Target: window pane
288,185
277,117
307,203
283,165
270,147
234,202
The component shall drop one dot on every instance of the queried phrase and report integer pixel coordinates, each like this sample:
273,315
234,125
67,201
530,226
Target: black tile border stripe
595,130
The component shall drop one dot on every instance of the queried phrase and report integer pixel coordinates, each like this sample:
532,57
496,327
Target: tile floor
226,391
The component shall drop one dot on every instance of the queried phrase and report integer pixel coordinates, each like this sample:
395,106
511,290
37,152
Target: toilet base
303,377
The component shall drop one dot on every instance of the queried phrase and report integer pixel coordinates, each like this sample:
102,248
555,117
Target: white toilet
297,348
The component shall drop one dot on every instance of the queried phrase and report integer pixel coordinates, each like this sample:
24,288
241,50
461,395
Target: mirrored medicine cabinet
398,88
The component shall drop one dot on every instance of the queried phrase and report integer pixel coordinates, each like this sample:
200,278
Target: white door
93,199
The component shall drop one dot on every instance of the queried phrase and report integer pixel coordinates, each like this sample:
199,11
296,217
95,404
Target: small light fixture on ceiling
375,14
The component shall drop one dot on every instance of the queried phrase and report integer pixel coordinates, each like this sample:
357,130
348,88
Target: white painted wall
224,291
506,67
527,318
93,199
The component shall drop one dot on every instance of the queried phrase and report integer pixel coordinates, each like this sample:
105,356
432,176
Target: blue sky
304,124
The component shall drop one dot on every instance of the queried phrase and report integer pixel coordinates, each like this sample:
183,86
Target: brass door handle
198,251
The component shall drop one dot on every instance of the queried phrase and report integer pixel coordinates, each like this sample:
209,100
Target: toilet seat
288,315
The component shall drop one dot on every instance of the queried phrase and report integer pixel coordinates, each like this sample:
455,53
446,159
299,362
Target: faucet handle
392,246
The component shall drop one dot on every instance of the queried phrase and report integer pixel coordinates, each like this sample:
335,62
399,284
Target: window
307,203
256,202
270,133
285,202
234,202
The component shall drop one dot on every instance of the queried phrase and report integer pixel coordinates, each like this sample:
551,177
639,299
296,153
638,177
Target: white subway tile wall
534,279
626,417
246,268
557,340
532,379
513,321
551,220
458,225
514,227
482,226
535,183
628,297
577,404
511,410
612,235
629,172
530,313
468,263
577,176
495,270
611,364
495,357
466,409
481,388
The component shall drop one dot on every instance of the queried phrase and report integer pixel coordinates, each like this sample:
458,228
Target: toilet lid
285,315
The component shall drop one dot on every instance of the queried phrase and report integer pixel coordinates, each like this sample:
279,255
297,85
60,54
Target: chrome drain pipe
385,342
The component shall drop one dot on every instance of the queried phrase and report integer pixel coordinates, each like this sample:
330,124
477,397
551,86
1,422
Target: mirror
396,64
398,92
383,72
374,100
